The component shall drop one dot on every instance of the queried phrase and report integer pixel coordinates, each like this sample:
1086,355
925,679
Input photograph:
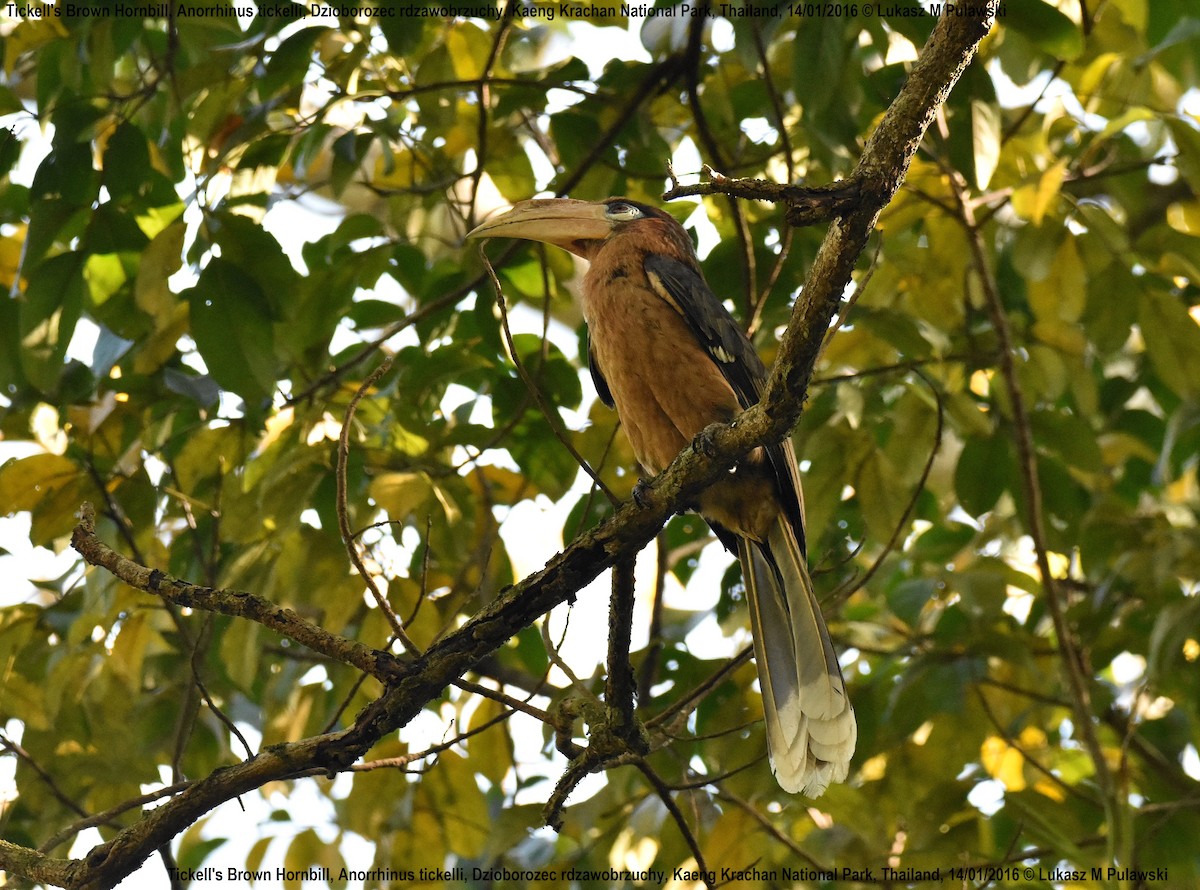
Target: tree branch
236,603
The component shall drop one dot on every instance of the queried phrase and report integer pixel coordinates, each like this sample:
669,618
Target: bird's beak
564,222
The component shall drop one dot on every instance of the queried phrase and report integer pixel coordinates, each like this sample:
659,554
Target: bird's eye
621,211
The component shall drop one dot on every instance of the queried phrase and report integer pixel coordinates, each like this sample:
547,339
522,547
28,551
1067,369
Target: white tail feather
811,731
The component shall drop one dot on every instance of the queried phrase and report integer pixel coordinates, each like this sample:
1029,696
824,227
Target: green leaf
105,276
288,66
368,314
111,229
231,323
1045,27
1061,294
194,854
403,33
126,160
267,152
26,482
10,147
450,812
984,472
1068,436
67,174
491,748
53,303
907,599
1172,342
883,496
257,254
557,377
1187,138
9,104
941,543
160,260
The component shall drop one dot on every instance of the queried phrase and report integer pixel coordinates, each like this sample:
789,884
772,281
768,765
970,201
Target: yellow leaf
1004,763
1118,447
1062,335
394,169
459,138
129,650
1033,201
873,769
26,482
503,486
1095,74
10,257
401,494
469,48
160,260
164,342
1062,293
1032,737
303,852
105,275
26,701
257,852
450,812
1184,216
491,749
1119,123
31,34
1049,789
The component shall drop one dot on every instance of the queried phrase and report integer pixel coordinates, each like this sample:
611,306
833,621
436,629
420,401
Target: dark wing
716,330
602,389
731,350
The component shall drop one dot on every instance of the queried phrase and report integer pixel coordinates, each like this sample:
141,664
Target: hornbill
665,352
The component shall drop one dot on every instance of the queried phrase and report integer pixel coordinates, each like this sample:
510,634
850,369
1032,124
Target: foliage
1030,310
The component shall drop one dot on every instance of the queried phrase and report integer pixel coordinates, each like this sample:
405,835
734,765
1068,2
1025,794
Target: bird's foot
642,493
705,442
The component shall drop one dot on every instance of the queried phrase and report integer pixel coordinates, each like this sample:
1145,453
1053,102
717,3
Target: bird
671,359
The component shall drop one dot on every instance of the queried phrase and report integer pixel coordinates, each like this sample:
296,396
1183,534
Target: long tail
811,731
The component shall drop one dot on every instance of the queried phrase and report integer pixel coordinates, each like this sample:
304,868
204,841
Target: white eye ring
621,211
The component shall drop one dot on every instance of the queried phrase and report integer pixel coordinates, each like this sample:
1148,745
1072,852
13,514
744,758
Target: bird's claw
641,493
705,443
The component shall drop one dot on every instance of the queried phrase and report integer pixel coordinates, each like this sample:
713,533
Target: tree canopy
328,447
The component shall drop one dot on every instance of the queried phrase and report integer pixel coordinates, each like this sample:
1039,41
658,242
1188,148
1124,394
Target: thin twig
1074,661
343,511
1028,758
664,794
692,700
553,420
109,816
903,523
9,745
